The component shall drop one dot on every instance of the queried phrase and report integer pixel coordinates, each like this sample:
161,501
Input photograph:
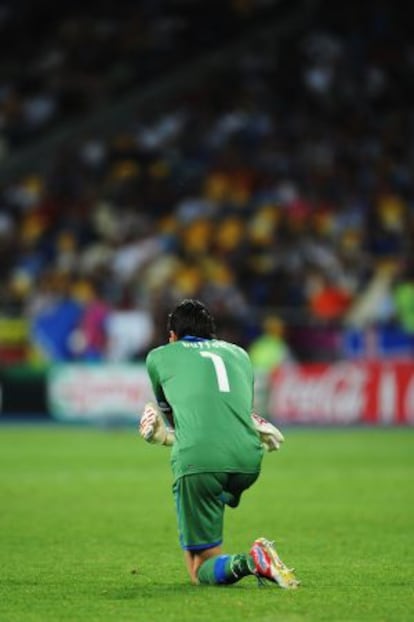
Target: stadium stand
282,182
62,61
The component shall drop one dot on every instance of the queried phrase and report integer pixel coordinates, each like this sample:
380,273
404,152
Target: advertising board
374,392
90,392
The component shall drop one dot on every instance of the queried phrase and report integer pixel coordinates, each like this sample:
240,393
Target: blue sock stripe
220,568
200,547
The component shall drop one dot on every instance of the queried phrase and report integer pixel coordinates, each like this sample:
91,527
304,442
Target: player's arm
156,422
157,388
270,436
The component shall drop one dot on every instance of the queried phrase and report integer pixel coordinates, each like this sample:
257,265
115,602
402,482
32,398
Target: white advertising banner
93,392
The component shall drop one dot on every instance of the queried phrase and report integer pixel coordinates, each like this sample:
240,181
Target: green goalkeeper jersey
208,385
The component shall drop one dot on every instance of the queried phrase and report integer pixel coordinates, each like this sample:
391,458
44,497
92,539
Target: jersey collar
193,338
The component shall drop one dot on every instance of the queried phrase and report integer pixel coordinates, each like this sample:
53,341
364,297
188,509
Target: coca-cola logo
332,394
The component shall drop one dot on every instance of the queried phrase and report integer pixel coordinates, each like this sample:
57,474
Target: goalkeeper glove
270,436
152,427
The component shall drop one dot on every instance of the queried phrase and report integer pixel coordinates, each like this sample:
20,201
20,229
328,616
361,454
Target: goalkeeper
204,392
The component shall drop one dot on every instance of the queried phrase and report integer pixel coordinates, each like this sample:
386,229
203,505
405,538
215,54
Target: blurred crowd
61,61
280,192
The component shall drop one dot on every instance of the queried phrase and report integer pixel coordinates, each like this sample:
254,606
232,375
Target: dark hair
191,317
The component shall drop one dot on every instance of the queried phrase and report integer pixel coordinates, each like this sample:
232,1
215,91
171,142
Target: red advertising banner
375,392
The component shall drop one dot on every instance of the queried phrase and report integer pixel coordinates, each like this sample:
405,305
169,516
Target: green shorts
200,500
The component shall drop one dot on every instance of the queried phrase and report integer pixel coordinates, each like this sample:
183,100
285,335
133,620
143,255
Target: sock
225,569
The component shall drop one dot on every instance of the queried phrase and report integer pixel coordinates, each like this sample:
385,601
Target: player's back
209,385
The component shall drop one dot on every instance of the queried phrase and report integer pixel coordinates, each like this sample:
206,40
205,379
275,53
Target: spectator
269,349
328,300
90,339
403,297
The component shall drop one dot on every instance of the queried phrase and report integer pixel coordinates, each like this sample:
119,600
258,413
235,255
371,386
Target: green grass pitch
88,533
